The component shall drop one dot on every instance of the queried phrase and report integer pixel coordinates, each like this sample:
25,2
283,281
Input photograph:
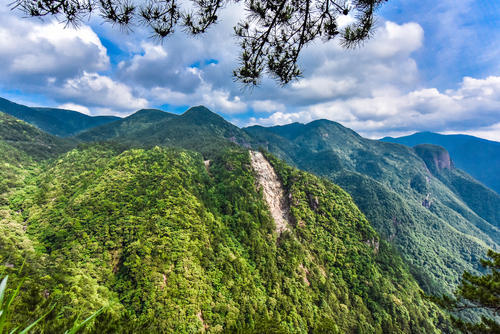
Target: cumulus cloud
33,53
474,107
75,107
95,90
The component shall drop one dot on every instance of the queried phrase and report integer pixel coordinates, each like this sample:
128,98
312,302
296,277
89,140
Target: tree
271,36
478,292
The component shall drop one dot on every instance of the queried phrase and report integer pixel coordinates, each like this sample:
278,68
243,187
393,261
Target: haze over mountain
478,157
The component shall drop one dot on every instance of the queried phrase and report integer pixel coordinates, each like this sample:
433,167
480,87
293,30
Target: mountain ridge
477,156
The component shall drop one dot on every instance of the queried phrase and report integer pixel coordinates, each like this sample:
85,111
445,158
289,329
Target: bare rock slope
272,190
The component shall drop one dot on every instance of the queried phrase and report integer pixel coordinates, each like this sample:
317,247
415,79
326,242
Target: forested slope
436,224
167,244
478,157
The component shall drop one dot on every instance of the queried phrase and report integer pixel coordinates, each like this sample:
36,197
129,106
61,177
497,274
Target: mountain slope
30,140
59,122
478,157
125,127
171,246
482,200
432,225
197,129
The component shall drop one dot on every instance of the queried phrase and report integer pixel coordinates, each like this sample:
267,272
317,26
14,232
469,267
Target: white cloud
267,106
93,89
471,108
75,107
47,51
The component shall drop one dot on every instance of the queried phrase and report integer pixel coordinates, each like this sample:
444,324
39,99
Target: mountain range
59,122
179,223
478,157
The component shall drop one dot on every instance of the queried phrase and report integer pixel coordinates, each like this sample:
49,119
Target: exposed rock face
272,190
435,157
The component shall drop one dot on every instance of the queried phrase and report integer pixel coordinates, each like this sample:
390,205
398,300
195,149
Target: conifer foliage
271,36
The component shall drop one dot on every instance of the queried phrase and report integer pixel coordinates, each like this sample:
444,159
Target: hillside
197,129
478,157
22,147
125,127
59,122
172,244
30,140
436,223
482,200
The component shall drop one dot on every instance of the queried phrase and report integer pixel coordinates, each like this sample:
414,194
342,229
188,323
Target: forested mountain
433,216
176,223
197,129
59,122
168,242
478,157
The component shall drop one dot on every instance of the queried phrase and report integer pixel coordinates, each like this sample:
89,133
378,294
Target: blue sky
432,65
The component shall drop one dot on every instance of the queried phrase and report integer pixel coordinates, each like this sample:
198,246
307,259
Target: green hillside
438,225
168,244
482,200
59,122
478,157
125,127
197,129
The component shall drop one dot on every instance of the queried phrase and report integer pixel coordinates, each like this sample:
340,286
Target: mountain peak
150,114
201,114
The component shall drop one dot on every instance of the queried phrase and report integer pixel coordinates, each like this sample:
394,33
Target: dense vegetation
435,219
478,157
478,292
197,129
166,245
59,122
162,239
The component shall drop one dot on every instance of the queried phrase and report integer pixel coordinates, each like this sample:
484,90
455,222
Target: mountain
197,129
482,200
21,147
59,122
167,242
29,140
126,126
478,157
417,199
179,223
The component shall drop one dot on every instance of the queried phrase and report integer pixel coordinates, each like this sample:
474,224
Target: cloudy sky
431,66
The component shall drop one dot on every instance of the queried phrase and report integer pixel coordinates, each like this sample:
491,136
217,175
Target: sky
430,66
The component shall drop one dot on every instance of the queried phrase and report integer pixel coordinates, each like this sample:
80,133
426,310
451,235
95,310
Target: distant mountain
30,140
482,200
198,129
59,122
415,198
478,157
125,127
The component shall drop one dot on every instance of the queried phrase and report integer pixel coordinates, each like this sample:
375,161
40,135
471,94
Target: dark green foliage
125,127
168,245
59,122
438,225
477,292
478,157
28,139
197,129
